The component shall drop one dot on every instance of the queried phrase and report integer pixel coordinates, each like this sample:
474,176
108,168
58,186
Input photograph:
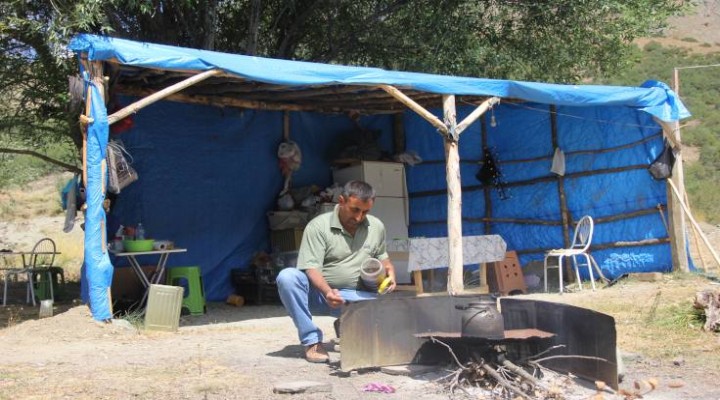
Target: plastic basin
138,245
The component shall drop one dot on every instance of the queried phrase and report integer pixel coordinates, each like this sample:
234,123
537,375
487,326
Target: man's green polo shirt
329,248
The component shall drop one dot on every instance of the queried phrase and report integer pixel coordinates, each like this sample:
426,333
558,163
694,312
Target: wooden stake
411,104
692,220
454,190
695,237
135,107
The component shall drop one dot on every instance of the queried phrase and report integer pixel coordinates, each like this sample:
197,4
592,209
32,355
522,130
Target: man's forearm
318,281
332,296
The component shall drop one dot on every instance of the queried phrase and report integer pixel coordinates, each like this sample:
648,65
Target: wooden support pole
411,104
564,213
480,110
133,108
84,130
678,227
398,134
286,126
452,169
486,189
692,220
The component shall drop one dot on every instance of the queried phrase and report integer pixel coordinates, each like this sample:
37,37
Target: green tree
559,41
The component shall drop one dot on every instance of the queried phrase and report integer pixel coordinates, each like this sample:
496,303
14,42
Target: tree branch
43,157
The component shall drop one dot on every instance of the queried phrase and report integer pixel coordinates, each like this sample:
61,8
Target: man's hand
333,298
390,270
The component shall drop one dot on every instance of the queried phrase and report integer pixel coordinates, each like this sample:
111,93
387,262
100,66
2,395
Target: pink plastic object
378,388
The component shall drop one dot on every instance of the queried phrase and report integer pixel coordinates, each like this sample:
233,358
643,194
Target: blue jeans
300,298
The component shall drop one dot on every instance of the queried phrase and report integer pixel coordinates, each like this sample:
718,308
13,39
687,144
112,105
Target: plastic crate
286,239
163,308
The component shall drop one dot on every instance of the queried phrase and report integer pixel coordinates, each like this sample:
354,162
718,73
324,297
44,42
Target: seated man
333,248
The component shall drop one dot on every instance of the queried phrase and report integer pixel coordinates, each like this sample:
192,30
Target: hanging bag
120,173
661,168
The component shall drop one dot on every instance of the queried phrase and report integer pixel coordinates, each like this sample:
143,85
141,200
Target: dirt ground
242,353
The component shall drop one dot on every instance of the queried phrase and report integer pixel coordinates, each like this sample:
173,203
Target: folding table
154,279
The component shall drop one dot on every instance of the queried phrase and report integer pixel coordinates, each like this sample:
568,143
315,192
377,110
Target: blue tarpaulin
208,175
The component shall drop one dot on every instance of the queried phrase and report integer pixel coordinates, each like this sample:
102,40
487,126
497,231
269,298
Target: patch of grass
689,40
655,319
38,198
136,318
71,257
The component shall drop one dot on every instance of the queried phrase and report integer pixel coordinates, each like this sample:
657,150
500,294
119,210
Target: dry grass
34,211
655,319
39,198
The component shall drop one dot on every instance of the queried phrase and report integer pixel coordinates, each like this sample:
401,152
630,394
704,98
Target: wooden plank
647,276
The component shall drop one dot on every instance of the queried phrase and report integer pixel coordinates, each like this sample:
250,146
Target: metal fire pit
394,330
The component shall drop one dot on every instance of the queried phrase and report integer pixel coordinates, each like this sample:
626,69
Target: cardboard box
126,285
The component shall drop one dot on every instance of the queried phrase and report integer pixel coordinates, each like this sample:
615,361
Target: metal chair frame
579,248
40,261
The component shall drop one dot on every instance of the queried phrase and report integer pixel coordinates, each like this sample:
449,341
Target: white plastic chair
579,248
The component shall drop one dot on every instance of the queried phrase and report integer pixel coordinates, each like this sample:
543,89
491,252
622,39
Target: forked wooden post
454,222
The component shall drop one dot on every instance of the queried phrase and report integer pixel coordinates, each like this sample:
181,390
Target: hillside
703,24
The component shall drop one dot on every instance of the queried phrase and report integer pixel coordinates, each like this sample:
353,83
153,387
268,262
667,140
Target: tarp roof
655,99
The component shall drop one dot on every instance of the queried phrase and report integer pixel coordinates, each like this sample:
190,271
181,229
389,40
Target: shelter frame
334,98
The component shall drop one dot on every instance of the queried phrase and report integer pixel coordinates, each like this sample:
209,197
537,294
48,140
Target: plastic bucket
372,273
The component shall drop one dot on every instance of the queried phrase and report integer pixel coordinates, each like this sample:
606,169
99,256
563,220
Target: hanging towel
70,204
558,162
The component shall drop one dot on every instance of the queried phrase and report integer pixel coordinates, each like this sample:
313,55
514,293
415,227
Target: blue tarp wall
209,175
600,139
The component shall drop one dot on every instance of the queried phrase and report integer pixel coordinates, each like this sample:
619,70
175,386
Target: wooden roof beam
484,106
227,101
411,104
157,96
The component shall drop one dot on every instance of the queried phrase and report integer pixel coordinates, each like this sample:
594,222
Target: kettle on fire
482,319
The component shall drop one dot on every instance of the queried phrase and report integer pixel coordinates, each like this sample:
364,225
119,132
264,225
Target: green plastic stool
191,280
42,286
